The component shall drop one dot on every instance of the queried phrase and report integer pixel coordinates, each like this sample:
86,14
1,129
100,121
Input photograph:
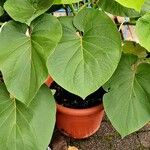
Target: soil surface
70,100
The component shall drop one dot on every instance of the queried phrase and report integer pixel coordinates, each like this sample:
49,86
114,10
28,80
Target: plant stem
66,10
72,9
94,3
117,22
127,23
78,6
140,61
85,5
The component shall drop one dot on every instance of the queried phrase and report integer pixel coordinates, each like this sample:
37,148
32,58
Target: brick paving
106,138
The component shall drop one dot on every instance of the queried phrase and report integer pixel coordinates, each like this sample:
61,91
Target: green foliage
66,1
26,11
26,127
24,54
81,53
131,47
1,11
137,5
83,46
127,102
143,31
146,7
116,8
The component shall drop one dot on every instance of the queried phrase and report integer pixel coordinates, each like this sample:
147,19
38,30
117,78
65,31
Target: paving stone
128,143
102,140
142,148
117,143
144,139
108,142
92,143
58,142
145,128
106,129
106,138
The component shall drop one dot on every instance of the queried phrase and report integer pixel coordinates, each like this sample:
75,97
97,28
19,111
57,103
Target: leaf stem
94,3
140,61
72,9
126,23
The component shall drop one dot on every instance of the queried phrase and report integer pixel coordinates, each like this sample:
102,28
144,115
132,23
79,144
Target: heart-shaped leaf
137,5
127,102
116,8
26,11
23,55
87,54
143,31
66,1
26,127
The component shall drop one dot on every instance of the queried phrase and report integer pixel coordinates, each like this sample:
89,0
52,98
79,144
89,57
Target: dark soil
70,100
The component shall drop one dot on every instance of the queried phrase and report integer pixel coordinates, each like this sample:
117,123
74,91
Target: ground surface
106,138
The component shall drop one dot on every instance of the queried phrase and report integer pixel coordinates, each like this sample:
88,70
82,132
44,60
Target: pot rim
80,111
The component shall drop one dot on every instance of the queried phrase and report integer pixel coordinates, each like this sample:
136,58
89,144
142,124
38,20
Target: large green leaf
26,11
1,11
115,8
23,54
143,31
66,1
87,54
26,127
146,7
137,5
127,102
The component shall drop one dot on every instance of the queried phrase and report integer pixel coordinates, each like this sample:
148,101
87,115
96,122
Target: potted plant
48,81
84,38
27,107
81,53
82,33
74,115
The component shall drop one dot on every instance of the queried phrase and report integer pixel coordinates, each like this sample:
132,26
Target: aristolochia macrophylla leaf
24,52
26,11
1,11
87,54
115,8
143,31
137,5
66,1
26,127
127,103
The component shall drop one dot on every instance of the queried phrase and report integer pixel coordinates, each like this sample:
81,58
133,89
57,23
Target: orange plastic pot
48,81
79,123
